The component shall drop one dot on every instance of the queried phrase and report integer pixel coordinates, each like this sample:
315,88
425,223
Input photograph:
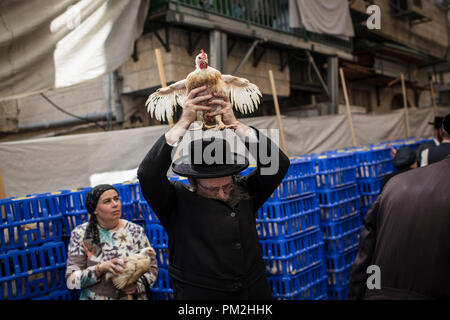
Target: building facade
247,38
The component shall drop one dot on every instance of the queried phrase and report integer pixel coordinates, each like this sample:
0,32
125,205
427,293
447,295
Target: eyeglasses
226,188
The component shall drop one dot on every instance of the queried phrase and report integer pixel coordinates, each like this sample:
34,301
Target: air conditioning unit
408,8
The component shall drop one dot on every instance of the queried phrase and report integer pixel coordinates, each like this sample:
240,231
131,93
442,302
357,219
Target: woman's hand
114,266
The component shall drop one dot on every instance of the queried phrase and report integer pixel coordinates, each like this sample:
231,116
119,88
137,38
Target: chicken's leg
220,125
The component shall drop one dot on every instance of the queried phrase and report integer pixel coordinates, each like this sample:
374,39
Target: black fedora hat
437,122
209,158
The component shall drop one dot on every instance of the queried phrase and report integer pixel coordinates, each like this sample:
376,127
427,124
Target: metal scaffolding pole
333,88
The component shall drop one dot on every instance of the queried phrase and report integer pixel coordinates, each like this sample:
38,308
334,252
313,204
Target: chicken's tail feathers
119,282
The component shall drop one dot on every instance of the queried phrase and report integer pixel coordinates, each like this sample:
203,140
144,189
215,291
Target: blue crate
367,199
336,178
342,210
29,221
288,218
156,235
294,187
177,178
129,194
300,167
163,295
332,161
332,230
337,195
288,208
341,261
126,199
147,212
56,295
162,289
371,185
288,247
288,226
72,204
158,239
339,277
341,236
337,292
32,272
296,263
316,291
373,155
301,286
162,257
376,170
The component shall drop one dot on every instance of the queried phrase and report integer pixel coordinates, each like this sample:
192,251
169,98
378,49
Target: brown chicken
244,96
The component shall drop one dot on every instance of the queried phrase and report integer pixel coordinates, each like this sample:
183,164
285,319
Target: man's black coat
211,244
406,234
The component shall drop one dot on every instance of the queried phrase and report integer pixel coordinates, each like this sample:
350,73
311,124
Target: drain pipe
64,122
118,107
116,115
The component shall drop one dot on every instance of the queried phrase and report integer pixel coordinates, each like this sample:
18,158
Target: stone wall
143,74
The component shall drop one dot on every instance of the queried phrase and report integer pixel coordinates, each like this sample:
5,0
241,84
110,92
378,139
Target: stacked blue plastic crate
373,164
157,236
291,240
340,218
32,254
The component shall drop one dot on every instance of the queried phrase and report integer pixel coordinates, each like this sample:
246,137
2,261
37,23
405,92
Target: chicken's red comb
203,54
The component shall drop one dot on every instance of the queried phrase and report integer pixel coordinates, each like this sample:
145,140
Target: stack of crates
373,164
340,219
74,212
32,254
130,197
290,236
157,236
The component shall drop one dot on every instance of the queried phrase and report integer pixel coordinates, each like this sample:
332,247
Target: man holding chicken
214,249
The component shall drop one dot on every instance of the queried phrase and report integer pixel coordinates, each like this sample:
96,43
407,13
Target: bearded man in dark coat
214,249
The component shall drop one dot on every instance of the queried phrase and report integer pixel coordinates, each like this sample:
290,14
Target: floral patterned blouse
129,239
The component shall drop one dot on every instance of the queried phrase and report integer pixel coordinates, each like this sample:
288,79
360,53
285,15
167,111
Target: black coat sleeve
152,174
272,166
367,241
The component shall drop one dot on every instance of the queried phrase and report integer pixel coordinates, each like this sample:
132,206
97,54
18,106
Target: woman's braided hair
92,235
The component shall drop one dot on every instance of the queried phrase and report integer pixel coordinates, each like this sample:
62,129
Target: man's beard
237,194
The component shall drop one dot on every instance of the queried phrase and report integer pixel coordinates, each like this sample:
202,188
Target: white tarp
52,164
322,16
46,44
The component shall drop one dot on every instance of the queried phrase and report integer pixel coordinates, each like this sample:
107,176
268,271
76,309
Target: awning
58,43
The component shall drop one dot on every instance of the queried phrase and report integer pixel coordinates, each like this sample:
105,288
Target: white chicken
135,266
244,96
